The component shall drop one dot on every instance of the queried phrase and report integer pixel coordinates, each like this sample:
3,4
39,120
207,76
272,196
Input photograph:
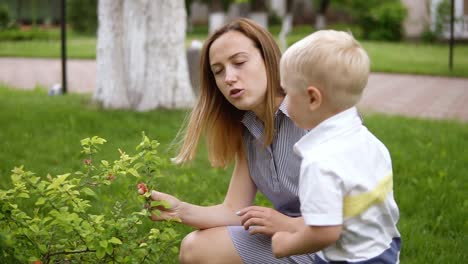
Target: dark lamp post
63,34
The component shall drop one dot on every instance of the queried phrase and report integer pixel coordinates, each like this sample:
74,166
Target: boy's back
346,179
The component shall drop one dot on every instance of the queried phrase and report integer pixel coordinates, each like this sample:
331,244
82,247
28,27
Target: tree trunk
259,12
320,19
286,25
141,58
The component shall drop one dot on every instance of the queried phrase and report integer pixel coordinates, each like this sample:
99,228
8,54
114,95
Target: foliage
82,15
274,19
429,159
379,19
51,219
5,18
442,18
35,33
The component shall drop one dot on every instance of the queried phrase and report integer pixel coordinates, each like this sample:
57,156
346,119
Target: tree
320,20
141,59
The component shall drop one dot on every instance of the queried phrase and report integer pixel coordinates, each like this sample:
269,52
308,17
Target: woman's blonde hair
214,116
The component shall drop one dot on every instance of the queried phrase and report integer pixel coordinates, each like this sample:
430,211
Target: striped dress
275,172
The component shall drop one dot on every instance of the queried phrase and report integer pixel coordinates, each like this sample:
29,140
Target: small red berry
87,161
142,189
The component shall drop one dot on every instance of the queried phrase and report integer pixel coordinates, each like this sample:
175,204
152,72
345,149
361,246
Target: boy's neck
324,113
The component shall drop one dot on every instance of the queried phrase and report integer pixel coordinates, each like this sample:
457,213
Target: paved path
408,95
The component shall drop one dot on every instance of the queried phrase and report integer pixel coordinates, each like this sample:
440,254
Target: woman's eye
239,63
216,72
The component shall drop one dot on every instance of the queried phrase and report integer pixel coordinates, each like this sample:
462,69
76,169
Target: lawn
429,157
394,57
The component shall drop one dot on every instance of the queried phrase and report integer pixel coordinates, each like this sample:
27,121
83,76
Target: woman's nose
230,76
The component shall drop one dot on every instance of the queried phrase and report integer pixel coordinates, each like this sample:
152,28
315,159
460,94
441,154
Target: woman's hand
266,221
170,211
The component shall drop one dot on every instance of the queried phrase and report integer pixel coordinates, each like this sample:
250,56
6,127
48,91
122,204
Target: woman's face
239,71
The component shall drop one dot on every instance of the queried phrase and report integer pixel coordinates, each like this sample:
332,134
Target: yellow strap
355,205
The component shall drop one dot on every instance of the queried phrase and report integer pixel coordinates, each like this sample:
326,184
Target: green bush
51,219
82,15
12,34
378,19
5,18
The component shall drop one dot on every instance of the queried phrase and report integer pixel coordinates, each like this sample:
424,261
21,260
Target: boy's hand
279,244
266,221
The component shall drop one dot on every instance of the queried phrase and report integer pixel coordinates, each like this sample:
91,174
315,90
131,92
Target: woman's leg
213,245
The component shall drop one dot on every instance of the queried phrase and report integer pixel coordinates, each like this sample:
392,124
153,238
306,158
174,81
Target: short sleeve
321,195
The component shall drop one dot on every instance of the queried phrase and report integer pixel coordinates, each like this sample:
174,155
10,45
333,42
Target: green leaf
34,228
23,195
34,180
98,140
42,248
85,141
133,172
40,201
33,259
103,243
18,170
109,249
115,240
88,191
100,252
162,203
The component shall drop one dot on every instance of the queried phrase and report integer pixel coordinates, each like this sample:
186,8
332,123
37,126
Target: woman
240,111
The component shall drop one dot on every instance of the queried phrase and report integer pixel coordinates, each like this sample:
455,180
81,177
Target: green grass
417,58
429,157
393,57
77,48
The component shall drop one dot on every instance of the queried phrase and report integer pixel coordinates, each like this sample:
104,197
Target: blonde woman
241,113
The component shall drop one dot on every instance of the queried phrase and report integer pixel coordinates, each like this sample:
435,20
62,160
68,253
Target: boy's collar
333,126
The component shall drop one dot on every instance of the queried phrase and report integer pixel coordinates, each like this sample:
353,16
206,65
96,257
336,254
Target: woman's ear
315,97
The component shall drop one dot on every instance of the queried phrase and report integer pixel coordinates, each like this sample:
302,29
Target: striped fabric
275,171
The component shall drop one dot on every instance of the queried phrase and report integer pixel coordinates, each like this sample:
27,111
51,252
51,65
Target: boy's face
297,103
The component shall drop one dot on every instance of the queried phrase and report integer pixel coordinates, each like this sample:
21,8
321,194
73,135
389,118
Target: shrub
82,15
51,219
442,18
378,19
12,34
5,18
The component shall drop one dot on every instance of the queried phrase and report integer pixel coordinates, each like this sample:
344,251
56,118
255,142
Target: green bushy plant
68,218
12,34
5,18
378,19
82,15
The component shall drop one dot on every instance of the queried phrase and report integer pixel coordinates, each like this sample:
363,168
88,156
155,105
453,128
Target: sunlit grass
429,158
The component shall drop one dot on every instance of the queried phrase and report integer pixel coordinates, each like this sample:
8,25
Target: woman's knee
208,246
190,248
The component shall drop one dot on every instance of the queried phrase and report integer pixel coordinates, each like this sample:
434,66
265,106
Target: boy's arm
309,239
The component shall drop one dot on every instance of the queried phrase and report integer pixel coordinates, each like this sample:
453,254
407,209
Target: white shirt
346,179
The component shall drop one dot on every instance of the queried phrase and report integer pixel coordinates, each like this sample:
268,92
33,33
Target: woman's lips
236,93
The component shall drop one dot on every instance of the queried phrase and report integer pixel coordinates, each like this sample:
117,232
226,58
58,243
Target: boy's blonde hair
330,60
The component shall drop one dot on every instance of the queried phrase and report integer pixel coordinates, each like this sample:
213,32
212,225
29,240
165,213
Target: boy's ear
315,97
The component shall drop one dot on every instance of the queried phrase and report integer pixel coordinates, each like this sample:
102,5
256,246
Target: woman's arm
241,193
308,239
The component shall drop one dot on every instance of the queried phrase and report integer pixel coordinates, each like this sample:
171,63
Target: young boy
345,186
